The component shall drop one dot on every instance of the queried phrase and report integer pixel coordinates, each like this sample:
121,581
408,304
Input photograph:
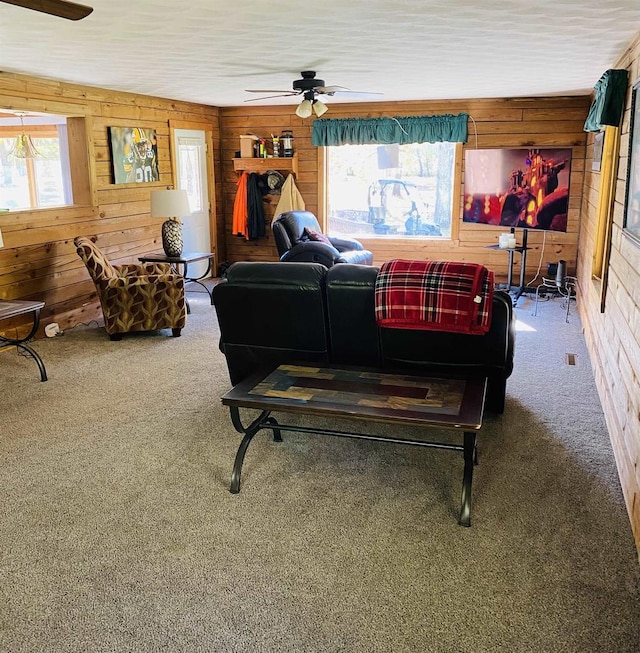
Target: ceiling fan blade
268,97
271,90
60,8
326,90
348,92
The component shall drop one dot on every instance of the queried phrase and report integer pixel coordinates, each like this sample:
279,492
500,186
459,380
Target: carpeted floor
118,532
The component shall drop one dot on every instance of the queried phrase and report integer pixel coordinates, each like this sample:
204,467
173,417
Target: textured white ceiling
210,51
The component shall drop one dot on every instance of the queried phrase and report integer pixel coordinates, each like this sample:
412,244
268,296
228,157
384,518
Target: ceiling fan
309,87
60,8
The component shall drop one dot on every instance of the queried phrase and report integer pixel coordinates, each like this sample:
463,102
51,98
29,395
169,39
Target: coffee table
368,395
13,308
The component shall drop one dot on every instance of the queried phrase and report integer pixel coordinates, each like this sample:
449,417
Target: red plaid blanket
433,295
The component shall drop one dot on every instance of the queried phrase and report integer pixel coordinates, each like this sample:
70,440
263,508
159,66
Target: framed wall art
631,225
134,155
517,187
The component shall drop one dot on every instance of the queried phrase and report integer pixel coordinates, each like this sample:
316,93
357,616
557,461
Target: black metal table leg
197,280
469,455
36,357
277,437
262,421
21,343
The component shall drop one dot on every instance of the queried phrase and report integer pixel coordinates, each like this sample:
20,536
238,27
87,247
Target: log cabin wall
39,260
524,122
613,336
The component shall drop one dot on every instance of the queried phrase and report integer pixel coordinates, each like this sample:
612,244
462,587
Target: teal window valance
384,131
610,91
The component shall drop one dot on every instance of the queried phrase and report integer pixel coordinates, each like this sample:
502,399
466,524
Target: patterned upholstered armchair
135,297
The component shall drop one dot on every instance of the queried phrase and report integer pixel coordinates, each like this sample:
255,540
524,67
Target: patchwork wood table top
332,391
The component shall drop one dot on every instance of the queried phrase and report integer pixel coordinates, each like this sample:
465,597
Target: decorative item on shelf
247,145
171,204
287,142
23,148
507,241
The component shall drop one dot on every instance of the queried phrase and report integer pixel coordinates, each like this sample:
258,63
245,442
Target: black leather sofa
294,245
272,313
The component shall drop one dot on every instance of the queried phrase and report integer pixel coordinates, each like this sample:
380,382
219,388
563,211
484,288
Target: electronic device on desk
517,188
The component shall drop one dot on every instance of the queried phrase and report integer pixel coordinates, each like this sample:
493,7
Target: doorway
190,148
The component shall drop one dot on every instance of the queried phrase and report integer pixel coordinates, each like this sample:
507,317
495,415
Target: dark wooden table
181,265
15,308
449,403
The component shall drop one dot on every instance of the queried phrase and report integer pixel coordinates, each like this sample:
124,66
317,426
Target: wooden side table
13,308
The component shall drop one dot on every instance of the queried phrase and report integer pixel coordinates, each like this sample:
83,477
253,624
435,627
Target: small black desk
13,308
182,261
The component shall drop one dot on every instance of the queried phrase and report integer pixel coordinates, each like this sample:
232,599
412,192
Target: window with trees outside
38,181
382,191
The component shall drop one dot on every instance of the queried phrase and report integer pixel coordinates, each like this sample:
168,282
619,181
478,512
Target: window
400,191
40,182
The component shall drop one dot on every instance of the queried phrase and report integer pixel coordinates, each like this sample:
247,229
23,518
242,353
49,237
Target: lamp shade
169,203
304,109
319,108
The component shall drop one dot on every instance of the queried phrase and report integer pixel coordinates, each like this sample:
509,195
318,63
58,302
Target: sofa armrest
346,244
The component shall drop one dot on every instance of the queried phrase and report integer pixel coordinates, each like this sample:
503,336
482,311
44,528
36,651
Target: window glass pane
189,153
48,172
14,182
391,190
38,182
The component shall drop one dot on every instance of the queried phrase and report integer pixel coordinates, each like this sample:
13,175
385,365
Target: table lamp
171,204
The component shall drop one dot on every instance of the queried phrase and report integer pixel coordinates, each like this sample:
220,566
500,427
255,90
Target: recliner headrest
295,222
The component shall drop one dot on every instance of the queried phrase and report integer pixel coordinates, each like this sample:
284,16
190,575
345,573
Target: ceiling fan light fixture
320,108
304,109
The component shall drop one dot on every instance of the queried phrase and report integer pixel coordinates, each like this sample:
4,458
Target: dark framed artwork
598,144
134,155
631,225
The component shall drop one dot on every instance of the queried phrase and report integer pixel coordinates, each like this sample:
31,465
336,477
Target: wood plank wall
528,122
39,260
613,337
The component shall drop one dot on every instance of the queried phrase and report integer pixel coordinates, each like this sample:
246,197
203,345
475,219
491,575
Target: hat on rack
275,181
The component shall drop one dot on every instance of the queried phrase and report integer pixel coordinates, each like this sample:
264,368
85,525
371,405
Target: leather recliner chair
295,245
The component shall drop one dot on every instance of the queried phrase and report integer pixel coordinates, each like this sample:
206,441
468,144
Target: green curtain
412,129
608,104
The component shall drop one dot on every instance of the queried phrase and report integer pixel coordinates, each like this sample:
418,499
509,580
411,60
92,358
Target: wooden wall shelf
281,164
